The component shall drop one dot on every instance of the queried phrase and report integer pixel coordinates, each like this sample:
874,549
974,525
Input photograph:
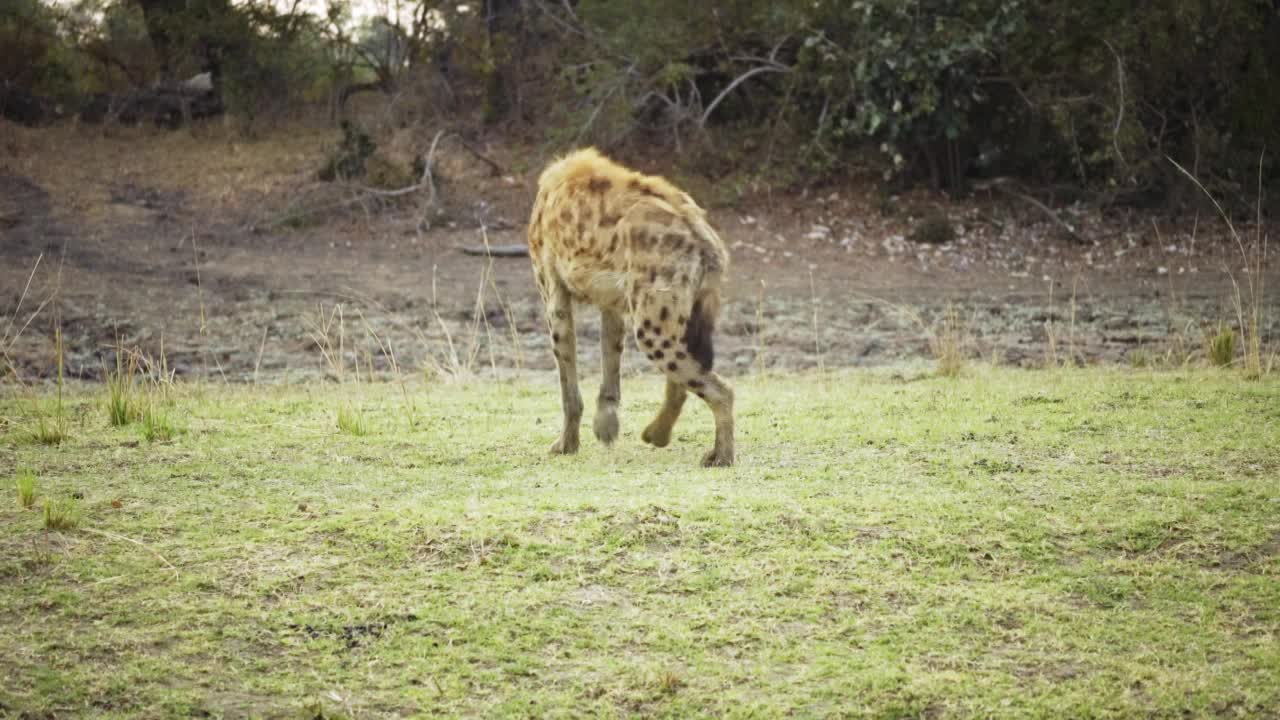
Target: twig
27,287
817,338
261,347
195,256
114,536
506,309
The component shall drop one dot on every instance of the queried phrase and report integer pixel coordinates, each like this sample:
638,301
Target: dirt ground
229,259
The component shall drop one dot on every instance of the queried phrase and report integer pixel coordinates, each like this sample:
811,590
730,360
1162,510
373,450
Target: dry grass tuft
950,342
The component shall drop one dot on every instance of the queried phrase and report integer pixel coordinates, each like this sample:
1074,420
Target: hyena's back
610,233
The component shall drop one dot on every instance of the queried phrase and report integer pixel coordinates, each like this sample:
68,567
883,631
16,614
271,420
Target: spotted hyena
638,248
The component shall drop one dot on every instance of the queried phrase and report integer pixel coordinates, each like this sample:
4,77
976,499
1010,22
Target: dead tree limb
513,250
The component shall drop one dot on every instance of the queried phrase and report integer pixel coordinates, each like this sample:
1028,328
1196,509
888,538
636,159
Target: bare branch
1115,132
702,122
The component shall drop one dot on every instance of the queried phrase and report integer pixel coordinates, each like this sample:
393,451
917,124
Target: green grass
25,484
352,420
156,424
61,514
123,401
50,427
1067,543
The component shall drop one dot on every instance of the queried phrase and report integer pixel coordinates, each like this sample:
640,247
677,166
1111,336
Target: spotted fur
641,250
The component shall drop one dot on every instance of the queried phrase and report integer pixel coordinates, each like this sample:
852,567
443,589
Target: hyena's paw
564,446
718,458
657,434
606,426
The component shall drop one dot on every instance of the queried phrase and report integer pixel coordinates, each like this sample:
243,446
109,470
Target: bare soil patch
176,238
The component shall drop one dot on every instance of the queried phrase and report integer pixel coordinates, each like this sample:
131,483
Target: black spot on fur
664,314
695,384
666,344
672,366
657,355
555,337
680,355
697,336
599,185
648,344
640,332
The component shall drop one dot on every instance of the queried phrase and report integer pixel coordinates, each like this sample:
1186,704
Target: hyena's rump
639,249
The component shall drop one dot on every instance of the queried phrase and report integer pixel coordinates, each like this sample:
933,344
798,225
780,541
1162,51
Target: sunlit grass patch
1006,543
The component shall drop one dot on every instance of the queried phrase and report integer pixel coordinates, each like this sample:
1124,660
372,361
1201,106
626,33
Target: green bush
1091,93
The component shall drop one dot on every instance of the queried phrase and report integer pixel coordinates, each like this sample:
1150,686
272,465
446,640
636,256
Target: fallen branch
999,184
515,250
494,166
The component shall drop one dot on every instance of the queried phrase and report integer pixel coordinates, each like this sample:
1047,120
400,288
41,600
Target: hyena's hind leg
564,341
674,334
719,397
612,329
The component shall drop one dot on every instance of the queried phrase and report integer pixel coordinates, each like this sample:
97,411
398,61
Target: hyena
638,248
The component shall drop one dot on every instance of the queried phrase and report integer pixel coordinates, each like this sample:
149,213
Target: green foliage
34,62
1092,93
907,75
1119,87
25,483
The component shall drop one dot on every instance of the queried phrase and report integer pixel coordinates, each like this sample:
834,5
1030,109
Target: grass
1249,303
61,514
123,402
156,424
352,420
25,484
1066,543
1220,346
949,344
51,427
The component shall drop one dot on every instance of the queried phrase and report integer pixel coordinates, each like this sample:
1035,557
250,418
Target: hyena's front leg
611,334
564,341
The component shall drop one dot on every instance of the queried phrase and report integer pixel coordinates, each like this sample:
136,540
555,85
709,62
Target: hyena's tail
698,336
